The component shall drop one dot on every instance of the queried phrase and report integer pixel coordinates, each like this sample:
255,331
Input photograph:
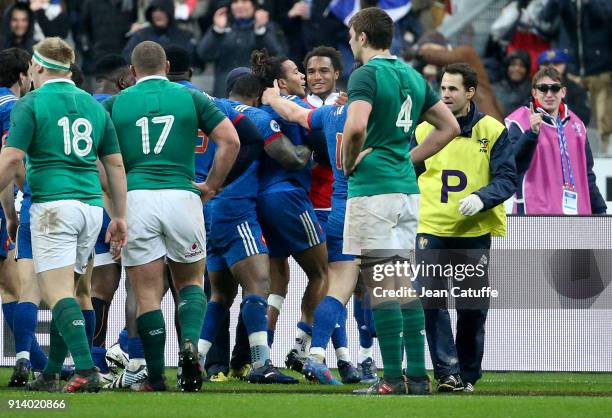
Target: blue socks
339,337
135,348
215,316
90,326
24,325
8,311
365,335
23,319
254,309
326,317
98,354
123,340
270,337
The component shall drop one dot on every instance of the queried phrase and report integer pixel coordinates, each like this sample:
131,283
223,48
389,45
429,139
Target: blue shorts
335,231
232,236
322,216
24,242
289,222
101,246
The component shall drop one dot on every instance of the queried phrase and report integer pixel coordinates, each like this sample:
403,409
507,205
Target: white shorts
64,233
103,259
380,222
164,223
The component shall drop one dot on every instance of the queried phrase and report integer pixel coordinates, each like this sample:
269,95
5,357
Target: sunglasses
545,88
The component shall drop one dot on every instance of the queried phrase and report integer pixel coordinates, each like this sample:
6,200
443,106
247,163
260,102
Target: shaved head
149,58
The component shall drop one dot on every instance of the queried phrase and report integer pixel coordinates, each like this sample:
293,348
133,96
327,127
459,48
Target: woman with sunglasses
553,156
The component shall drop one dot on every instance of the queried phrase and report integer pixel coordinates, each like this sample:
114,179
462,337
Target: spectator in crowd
516,28
52,18
433,48
235,33
515,87
585,34
18,27
553,156
105,24
162,29
576,98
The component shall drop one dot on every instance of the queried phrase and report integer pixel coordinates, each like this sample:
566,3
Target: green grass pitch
509,394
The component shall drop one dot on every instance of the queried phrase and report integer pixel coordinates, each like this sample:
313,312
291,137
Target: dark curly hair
326,51
266,67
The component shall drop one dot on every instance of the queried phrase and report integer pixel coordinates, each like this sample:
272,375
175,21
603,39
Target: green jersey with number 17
157,124
62,130
399,96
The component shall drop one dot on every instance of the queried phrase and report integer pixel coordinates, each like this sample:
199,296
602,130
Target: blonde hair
54,53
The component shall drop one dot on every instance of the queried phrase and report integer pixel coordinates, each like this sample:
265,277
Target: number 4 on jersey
143,123
403,118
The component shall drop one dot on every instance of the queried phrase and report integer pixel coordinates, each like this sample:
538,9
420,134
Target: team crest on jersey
423,243
275,126
483,144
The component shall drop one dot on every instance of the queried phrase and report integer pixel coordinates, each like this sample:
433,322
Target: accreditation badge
569,202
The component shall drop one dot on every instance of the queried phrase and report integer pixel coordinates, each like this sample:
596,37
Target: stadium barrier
556,315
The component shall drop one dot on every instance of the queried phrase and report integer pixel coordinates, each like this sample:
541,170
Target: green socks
414,338
191,311
70,323
152,331
389,327
57,351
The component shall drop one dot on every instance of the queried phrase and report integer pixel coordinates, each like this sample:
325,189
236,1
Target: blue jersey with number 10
331,120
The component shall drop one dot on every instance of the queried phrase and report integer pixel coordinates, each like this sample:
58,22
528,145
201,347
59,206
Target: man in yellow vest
463,188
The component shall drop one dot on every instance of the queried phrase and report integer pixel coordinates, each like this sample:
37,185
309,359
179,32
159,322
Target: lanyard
566,166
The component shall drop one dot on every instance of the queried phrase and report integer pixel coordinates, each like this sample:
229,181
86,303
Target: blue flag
345,9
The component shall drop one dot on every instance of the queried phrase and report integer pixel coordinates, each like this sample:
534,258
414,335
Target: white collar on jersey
59,80
384,57
315,101
152,77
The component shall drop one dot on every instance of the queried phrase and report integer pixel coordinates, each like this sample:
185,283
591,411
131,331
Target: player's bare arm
228,145
11,159
355,134
108,205
290,156
287,109
117,186
445,129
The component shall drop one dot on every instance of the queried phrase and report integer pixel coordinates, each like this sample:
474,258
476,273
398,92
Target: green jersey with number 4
62,130
399,96
157,124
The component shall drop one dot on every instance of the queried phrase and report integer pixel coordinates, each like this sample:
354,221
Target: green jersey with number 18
63,130
399,96
157,124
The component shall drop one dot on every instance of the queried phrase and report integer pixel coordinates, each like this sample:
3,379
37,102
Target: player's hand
116,235
206,192
270,93
535,119
262,18
342,99
360,157
471,205
220,18
11,228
